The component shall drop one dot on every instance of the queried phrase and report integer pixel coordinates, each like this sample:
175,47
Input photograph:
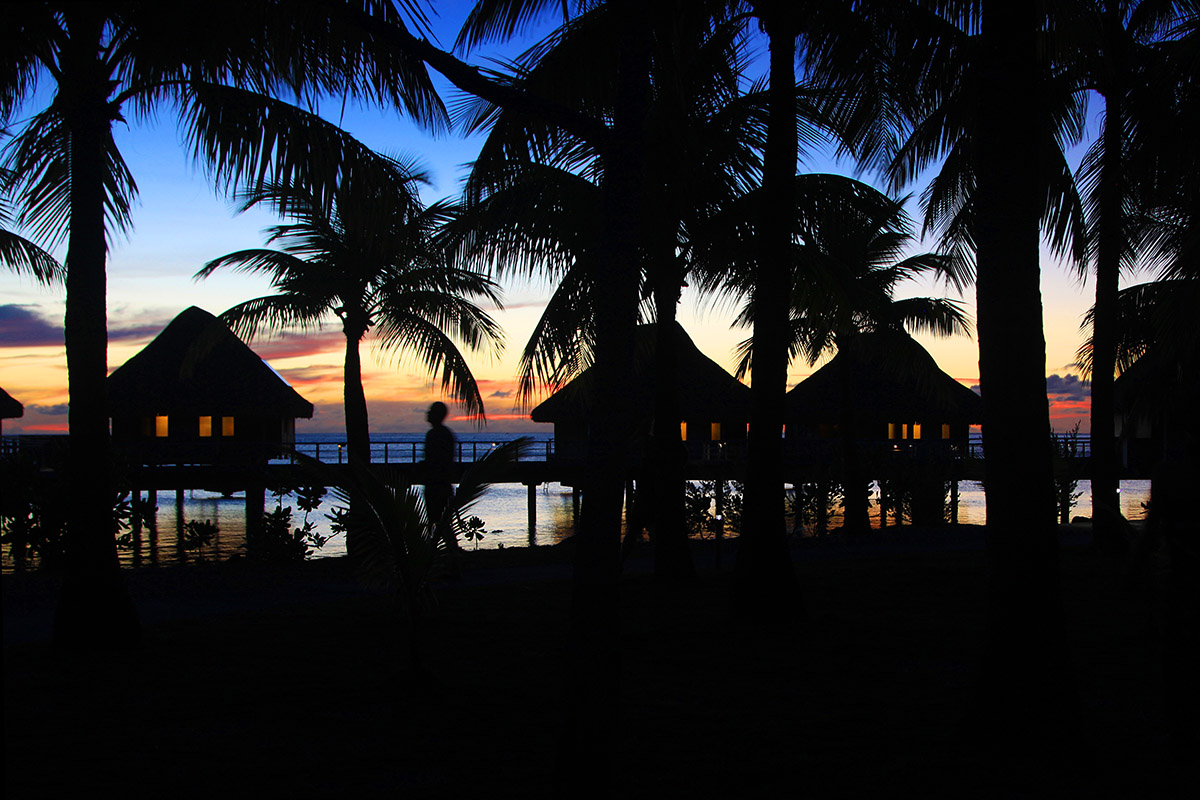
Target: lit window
683,431
161,426
946,430
916,430
716,432
892,430
904,431
227,426
205,427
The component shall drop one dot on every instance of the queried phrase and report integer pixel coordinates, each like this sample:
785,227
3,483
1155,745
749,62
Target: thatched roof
891,379
706,391
197,365
1159,386
9,407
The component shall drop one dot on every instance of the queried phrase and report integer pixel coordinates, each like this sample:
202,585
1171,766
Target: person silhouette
439,460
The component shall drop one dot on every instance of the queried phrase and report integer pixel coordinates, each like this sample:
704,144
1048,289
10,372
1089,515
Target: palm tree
373,260
970,83
105,60
1027,687
764,581
533,206
1119,58
853,253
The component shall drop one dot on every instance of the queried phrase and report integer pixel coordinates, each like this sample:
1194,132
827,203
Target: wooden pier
254,469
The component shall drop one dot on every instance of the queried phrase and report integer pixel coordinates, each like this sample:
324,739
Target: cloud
1067,387
22,327
56,410
134,333
307,376
296,346
501,394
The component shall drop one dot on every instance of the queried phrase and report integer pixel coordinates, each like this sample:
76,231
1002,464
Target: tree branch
471,79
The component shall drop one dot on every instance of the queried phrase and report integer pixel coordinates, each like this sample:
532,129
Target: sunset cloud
1067,387
299,346
56,410
21,326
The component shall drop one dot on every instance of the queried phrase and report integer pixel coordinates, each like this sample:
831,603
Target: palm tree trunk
764,581
583,765
1025,695
358,431
856,503
672,556
94,610
1106,509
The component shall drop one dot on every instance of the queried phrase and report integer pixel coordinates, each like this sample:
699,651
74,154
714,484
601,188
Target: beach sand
287,682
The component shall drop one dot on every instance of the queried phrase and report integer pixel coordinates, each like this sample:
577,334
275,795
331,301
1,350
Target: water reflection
504,510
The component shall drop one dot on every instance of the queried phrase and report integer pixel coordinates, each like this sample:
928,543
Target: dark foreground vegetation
287,681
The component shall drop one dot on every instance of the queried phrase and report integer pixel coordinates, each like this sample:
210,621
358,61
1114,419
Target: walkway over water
178,465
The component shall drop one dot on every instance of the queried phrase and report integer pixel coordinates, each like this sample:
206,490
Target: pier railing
42,447
410,452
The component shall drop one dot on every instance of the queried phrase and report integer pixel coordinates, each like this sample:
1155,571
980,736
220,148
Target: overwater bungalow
198,395
883,403
9,408
1156,401
714,407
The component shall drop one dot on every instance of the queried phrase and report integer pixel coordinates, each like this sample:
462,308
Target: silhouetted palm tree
1119,55
1027,686
373,261
532,206
972,83
106,60
619,136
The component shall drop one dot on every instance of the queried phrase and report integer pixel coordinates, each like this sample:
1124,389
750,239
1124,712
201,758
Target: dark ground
287,682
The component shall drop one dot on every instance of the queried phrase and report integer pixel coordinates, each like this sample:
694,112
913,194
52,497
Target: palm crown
374,261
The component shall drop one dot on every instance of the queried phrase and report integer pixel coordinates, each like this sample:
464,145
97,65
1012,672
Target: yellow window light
227,426
946,430
205,427
683,431
715,434
161,426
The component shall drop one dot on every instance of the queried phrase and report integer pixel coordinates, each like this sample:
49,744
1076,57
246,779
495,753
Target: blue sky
180,223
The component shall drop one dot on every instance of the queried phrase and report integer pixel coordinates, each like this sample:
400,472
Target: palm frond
26,258
274,313
495,20
39,161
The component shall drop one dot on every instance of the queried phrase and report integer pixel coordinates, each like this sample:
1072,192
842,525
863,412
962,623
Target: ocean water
504,509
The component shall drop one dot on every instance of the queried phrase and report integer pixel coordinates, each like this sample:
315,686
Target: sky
180,223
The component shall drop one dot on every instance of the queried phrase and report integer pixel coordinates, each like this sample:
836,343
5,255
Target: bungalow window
892,430
946,430
715,433
148,427
916,430
205,427
227,426
161,426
